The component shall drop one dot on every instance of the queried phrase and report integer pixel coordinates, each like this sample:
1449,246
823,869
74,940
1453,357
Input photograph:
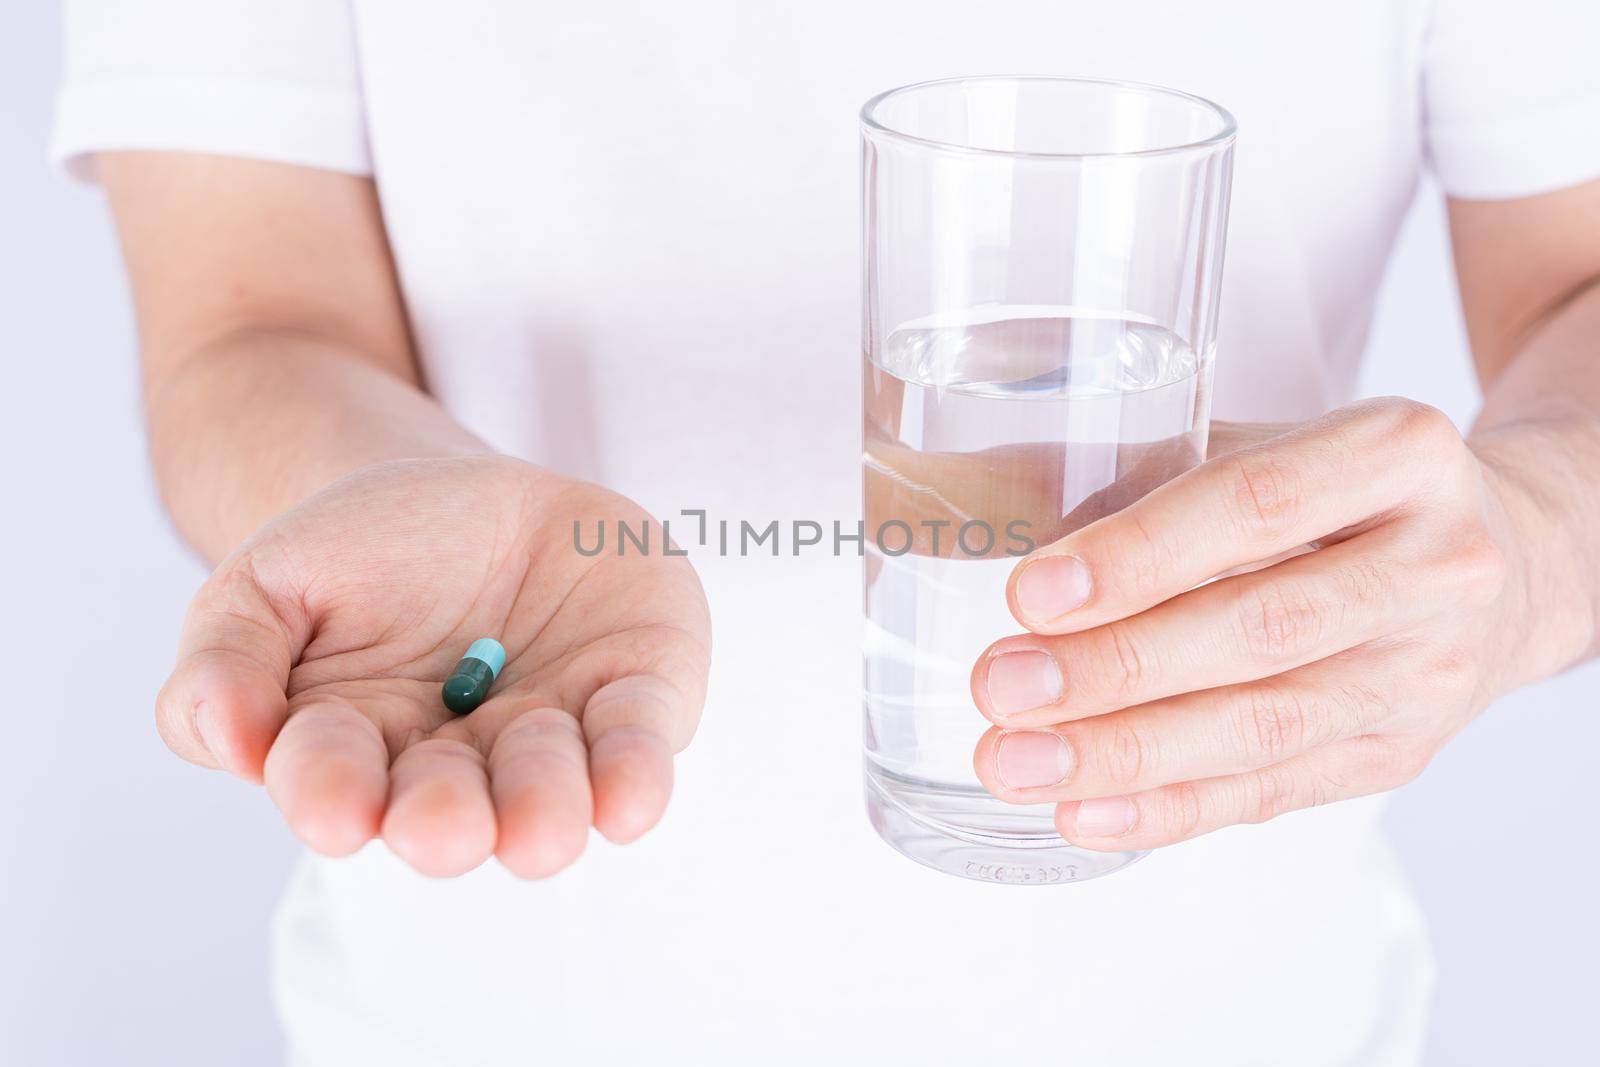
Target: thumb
226,700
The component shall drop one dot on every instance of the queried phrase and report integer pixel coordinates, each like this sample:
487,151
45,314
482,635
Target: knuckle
1388,762
1186,812
1364,582
1273,791
1137,555
1279,619
1319,789
1123,668
1265,491
1424,426
1454,671
1361,707
235,591
1481,569
1274,725
229,587
1125,754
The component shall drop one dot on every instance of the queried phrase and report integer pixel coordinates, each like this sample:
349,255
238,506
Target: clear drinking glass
1043,259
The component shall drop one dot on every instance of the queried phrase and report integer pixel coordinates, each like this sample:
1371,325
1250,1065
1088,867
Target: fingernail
1104,817
1030,758
1052,586
205,724
1019,681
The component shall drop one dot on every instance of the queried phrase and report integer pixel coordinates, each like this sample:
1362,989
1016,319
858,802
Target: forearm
256,421
1539,438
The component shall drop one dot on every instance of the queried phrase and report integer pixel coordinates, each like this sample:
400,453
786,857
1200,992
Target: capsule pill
469,683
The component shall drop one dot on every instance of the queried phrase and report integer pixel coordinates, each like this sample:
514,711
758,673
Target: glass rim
1227,132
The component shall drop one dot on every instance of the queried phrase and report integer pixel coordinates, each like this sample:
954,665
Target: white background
135,890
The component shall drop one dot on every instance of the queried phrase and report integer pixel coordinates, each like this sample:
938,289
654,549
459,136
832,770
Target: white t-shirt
628,238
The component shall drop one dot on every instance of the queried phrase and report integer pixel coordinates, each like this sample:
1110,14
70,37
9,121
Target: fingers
1234,630
552,776
1256,502
328,774
539,778
1173,813
224,702
1199,735
440,819
633,726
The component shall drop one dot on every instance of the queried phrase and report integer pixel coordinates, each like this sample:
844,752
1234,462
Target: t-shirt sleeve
1511,96
268,79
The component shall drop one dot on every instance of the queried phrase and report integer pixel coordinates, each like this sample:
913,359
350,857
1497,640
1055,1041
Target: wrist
257,422
1547,613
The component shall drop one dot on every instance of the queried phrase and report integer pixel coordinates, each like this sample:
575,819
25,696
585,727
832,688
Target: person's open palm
313,659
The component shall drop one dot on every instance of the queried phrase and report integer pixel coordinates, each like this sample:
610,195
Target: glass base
972,835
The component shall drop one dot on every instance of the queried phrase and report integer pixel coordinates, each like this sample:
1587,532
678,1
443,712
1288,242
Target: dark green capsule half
468,685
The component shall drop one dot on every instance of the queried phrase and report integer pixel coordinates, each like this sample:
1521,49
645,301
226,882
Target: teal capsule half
469,683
